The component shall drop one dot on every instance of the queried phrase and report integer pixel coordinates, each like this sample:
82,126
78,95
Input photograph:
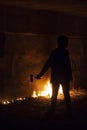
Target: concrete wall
25,54
30,37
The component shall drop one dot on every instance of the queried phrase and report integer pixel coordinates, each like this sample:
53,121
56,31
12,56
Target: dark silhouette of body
61,72
2,44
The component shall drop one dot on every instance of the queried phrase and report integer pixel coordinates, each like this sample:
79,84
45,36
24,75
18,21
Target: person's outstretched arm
44,69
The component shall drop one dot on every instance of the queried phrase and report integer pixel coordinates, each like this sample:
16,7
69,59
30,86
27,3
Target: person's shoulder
54,51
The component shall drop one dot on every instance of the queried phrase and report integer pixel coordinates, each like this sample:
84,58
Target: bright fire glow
34,94
60,90
5,102
47,92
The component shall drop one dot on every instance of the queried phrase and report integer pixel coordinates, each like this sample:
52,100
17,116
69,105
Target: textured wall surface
26,54
30,37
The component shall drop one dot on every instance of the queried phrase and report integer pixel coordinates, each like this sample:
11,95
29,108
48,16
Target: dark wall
30,37
15,19
25,54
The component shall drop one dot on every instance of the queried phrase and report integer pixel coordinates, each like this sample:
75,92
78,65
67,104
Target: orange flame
47,92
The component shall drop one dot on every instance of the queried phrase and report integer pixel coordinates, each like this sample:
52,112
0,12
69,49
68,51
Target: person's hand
37,76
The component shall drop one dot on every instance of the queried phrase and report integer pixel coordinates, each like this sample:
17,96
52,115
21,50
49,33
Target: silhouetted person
2,44
61,72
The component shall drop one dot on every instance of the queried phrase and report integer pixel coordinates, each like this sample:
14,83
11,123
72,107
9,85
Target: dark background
31,29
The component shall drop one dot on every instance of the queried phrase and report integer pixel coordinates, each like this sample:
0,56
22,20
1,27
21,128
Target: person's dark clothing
60,66
61,73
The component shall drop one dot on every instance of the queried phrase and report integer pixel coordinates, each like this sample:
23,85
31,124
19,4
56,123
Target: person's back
61,72
59,62
2,44
60,65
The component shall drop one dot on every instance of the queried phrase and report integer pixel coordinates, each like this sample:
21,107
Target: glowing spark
5,102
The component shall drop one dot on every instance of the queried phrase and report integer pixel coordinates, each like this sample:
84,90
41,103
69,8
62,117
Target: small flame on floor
5,102
8,101
47,92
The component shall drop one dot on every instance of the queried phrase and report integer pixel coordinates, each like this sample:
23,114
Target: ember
8,101
5,102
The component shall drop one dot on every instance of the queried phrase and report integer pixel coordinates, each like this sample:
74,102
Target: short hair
62,41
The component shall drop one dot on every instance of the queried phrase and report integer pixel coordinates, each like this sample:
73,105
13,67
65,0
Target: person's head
62,41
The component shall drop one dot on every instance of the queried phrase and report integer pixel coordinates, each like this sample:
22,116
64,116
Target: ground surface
30,115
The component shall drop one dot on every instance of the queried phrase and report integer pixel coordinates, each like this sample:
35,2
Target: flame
8,101
60,90
34,94
47,92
